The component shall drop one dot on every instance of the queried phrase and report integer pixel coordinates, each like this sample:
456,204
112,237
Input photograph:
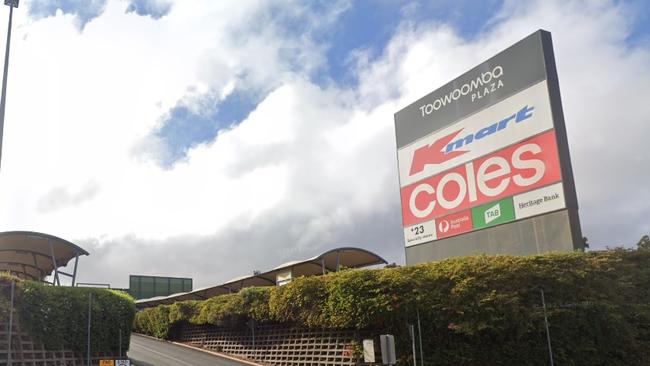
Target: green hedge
58,316
483,310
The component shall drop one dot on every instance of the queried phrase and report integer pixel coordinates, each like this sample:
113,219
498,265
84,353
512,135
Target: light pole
3,100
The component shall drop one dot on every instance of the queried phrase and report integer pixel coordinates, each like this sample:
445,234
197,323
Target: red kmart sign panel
480,151
525,114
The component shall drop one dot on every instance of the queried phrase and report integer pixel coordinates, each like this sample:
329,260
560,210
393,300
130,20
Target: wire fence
17,354
11,288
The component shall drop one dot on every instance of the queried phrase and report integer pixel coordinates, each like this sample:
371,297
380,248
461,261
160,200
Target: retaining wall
276,344
25,351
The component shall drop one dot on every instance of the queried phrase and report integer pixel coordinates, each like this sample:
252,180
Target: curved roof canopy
330,261
32,255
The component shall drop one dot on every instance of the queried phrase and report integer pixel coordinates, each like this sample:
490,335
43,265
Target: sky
208,139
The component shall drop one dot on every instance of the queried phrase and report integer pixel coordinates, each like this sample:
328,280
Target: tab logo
446,148
492,213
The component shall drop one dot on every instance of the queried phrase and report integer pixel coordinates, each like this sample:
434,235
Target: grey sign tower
484,162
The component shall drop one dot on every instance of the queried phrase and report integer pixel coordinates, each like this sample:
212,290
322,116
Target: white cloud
311,167
60,197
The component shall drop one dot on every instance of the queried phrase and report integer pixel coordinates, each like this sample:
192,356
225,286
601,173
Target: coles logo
515,169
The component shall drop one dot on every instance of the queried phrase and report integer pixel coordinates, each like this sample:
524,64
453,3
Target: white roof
347,257
33,255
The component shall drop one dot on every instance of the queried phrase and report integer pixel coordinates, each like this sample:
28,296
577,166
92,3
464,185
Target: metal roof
33,255
330,261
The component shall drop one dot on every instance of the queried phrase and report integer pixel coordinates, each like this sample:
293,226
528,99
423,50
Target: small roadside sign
122,362
348,350
106,363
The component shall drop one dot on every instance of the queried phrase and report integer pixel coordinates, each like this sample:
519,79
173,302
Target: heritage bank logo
484,84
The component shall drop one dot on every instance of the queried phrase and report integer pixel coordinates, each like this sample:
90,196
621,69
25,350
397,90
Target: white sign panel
525,114
420,233
539,201
368,351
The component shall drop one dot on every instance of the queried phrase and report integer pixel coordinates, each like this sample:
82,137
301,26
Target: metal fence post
90,300
11,324
548,334
412,332
420,336
251,324
120,340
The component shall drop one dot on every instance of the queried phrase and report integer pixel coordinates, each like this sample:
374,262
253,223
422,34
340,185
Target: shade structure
330,261
35,256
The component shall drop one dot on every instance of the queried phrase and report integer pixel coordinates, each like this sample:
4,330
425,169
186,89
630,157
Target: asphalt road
149,352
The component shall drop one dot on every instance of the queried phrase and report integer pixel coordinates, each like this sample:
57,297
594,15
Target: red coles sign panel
515,169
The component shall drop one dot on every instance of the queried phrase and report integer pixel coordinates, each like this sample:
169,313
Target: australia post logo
514,119
518,168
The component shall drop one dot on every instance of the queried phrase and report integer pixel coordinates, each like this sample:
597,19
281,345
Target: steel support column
74,272
90,301
11,323
56,270
338,260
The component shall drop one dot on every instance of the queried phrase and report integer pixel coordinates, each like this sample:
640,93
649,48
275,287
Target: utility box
368,351
387,349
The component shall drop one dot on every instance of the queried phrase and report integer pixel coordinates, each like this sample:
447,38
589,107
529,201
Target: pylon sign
484,164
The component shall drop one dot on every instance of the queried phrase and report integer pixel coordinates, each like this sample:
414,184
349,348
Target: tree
644,243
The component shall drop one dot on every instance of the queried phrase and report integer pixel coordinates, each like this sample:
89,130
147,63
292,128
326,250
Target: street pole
3,99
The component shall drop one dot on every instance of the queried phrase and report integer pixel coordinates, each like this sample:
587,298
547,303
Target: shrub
481,310
58,316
